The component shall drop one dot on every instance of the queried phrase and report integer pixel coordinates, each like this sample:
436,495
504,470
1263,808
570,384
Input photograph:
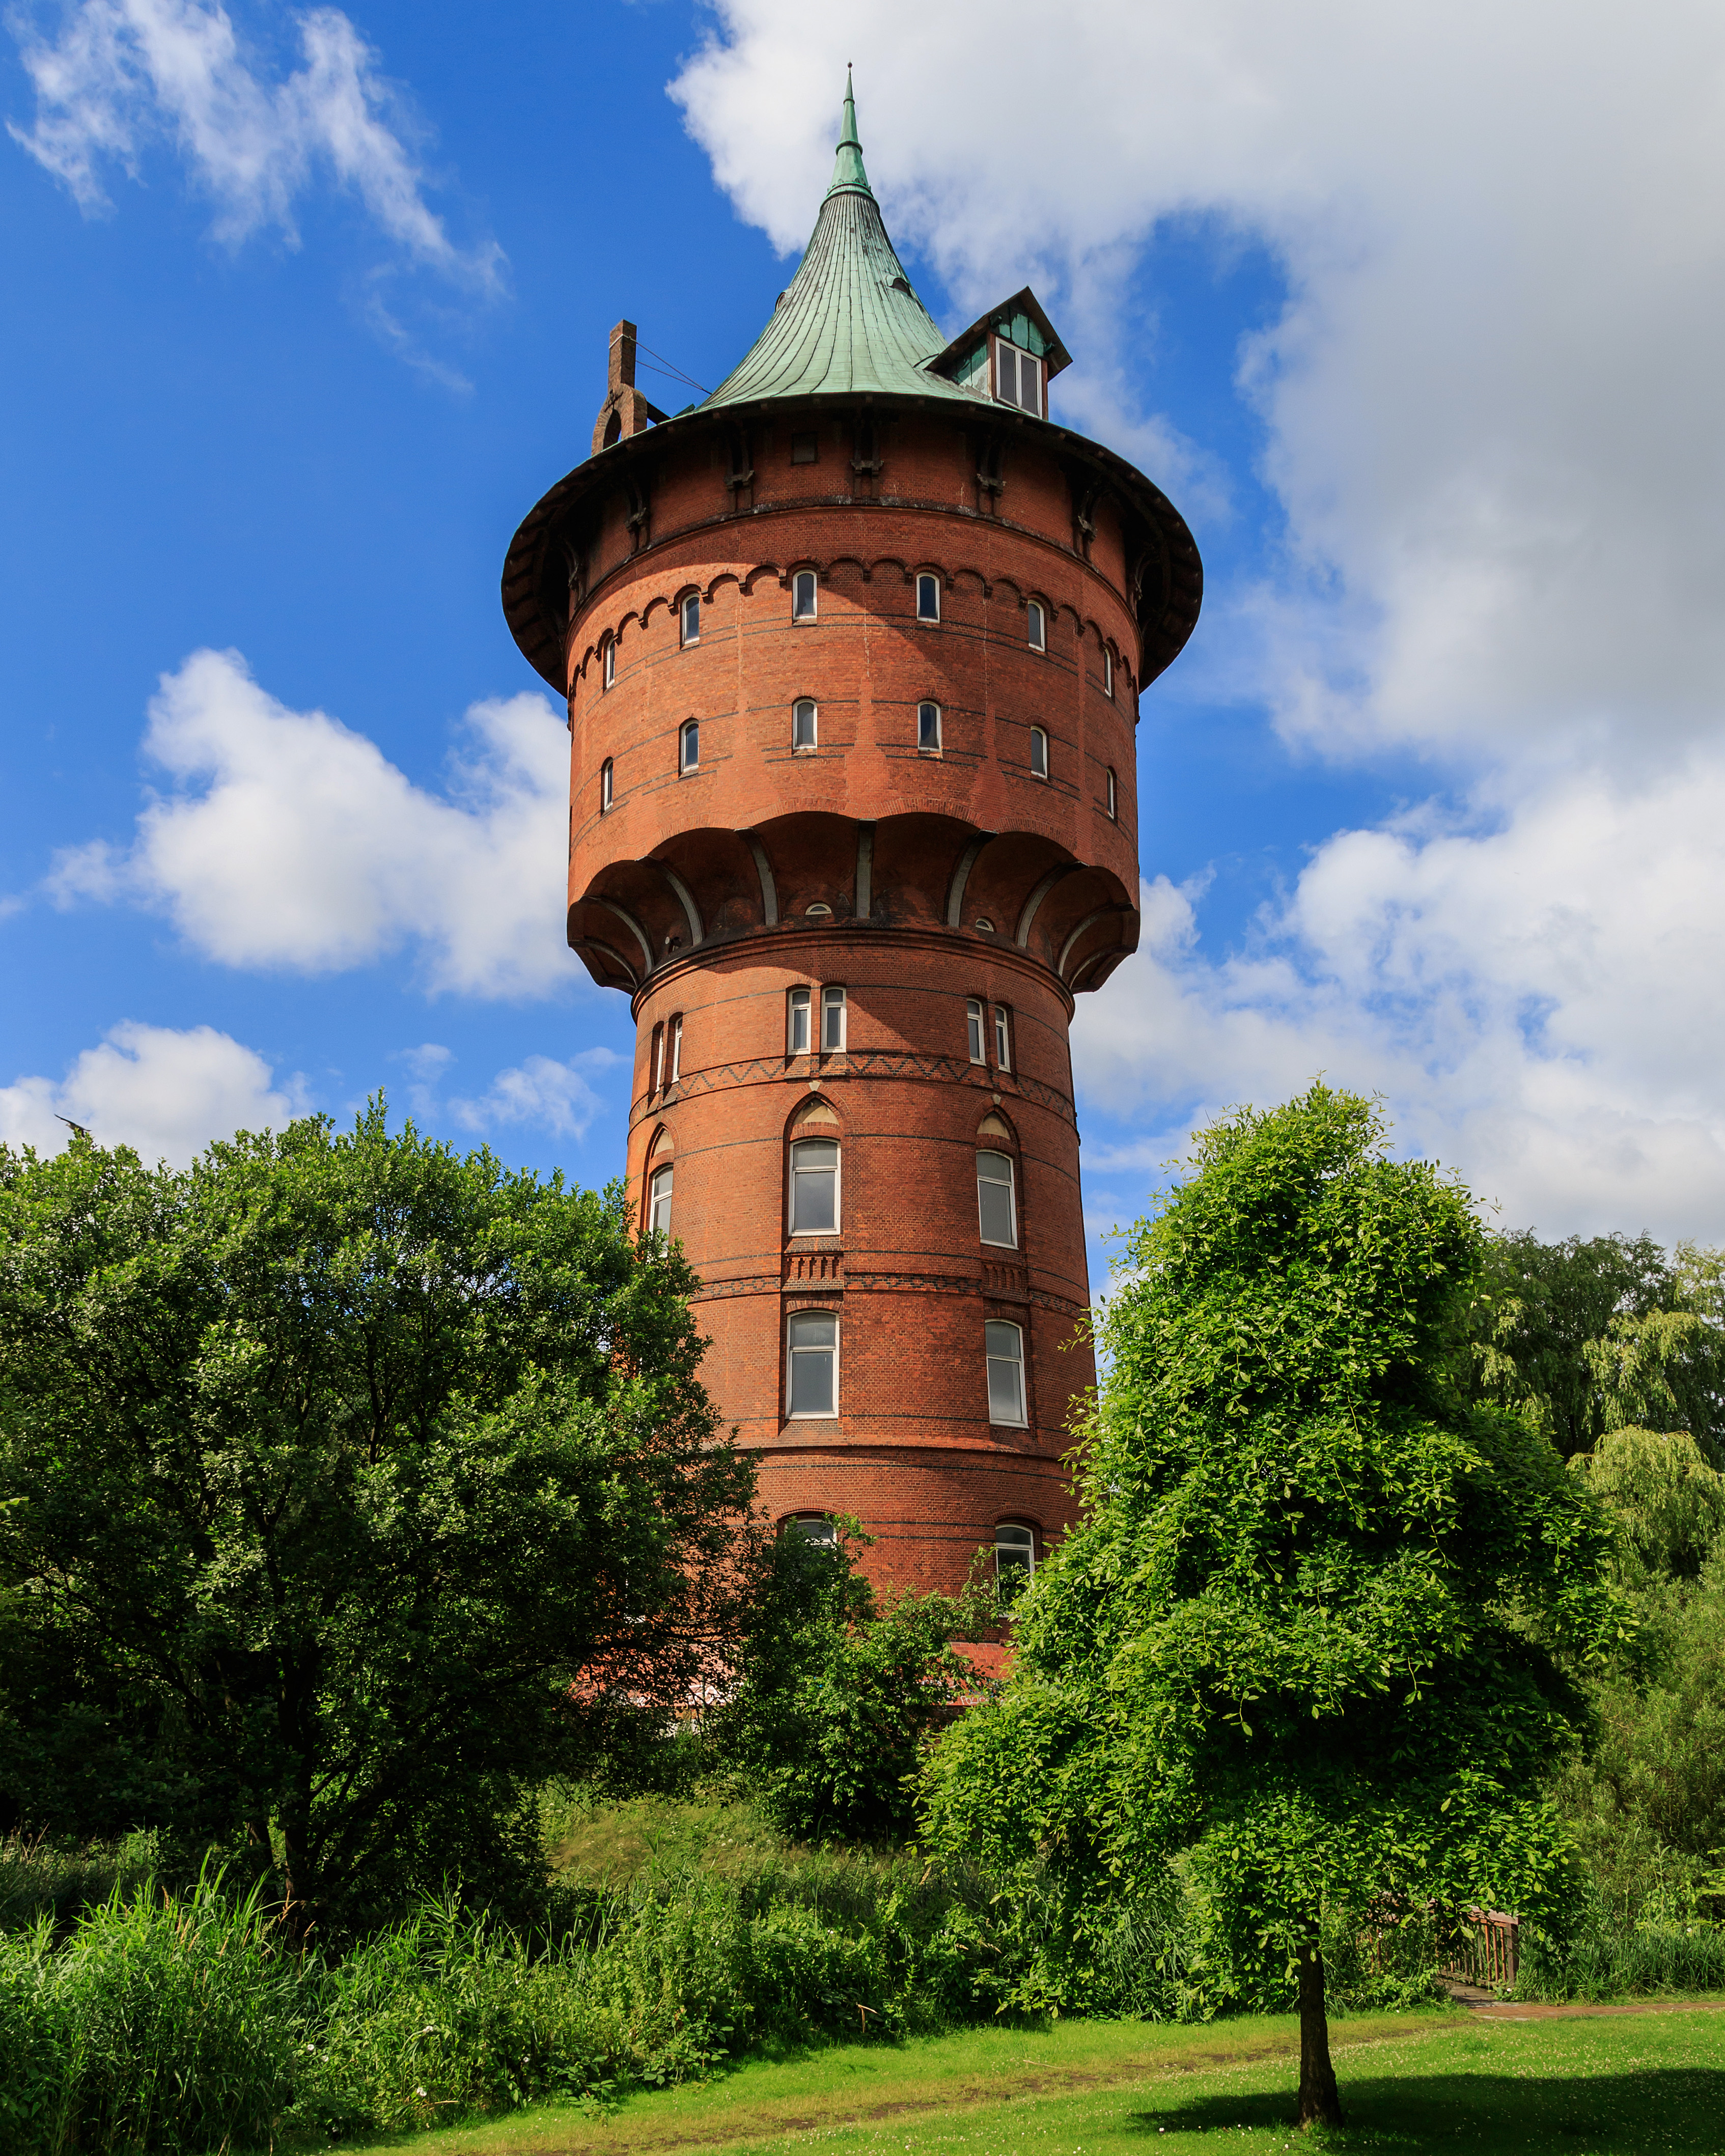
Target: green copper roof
848,322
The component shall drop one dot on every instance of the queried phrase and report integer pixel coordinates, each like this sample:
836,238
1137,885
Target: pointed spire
848,167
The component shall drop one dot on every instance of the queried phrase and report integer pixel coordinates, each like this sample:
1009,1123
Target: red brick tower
853,652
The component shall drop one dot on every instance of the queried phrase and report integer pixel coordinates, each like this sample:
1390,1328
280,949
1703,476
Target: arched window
658,1201
996,1200
689,746
1113,795
689,617
1014,1558
805,721
608,673
812,1363
605,786
1006,1349
1039,753
814,1187
928,599
658,1059
814,1528
1107,670
803,595
1037,625
676,1052
831,1021
928,728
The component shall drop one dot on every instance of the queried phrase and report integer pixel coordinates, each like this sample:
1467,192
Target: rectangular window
1003,1037
1006,1373
657,1057
605,786
1038,753
1113,796
1017,377
996,1211
796,1032
803,595
928,727
805,448
689,745
928,599
973,1028
811,1343
676,1050
689,615
1107,671
1038,628
660,1209
803,724
610,660
832,1019
814,1187
1014,1559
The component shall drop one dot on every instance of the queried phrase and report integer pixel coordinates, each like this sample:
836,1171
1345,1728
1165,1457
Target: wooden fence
1480,1949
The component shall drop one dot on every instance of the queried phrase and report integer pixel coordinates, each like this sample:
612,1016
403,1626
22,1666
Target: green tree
1315,1631
838,1692
346,1484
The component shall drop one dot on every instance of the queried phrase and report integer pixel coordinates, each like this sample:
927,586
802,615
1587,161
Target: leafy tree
838,1692
1313,1635
348,1484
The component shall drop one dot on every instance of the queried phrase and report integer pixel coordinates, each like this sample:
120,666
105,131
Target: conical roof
848,322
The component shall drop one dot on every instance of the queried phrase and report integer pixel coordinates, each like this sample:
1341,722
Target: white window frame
1019,1537
1113,796
799,1007
1107,670
1003,1037
1036,624
815,1528
805,578
933,748
675,1070
1010,1181
1039,742
809,705
686,636
928,587
792,1350
661,1184
792,1172
833,1000
658,1059
973,1033
689,732
606,785
607,670
1020,360
993,1329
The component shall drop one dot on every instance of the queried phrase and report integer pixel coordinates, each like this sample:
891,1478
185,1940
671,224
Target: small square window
928,599
610,667
605,786
1038,626
688,751
803,595
804,721
691,618
832,1019
797,1023
928,727
1039,753
805,448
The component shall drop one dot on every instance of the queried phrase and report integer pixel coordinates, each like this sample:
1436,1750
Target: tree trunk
1319,2104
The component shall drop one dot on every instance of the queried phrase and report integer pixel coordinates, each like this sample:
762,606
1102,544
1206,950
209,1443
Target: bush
1612,1961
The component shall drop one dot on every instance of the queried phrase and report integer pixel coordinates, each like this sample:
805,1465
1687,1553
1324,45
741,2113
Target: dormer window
1017,376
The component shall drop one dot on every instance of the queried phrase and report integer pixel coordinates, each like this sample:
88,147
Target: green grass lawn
1604,2087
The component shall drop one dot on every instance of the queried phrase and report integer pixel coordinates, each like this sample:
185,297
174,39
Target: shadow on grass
1663,2108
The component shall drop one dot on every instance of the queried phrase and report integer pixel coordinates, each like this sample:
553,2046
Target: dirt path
1512,2010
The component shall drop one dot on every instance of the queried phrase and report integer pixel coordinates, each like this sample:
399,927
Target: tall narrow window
689,746
1003,1037
832,1019
928,727
605,786
973,1028
676,1051
804,719
689,615
803,595
797,1026
610,666
1006,1371
814,1187
1039,627
1107,671
928,599
658,1210
1113,795
1014,1559
996,1205
812,1352
658,1058
1039,753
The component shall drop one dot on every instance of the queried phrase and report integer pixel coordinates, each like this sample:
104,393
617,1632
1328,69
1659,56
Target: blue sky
308,307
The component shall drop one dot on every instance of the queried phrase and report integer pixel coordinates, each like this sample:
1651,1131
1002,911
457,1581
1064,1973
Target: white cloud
289,842
542,1091
167,1093
123,72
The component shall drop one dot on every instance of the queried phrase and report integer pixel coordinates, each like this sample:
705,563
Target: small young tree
346,1484
1317,1626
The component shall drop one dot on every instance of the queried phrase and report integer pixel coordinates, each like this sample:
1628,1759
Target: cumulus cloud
542,1091
287,841
164,1092
123,73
